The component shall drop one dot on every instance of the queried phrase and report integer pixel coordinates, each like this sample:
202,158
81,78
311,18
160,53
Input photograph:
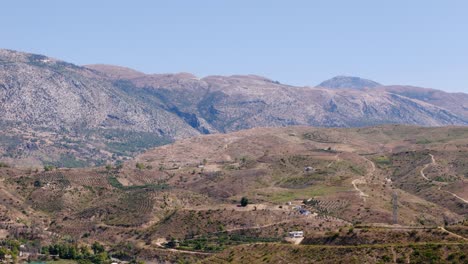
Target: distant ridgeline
58,113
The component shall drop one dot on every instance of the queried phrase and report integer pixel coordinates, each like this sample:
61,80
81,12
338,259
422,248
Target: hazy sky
417,42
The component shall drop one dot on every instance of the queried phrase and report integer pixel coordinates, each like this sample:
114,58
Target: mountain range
172,168
60,113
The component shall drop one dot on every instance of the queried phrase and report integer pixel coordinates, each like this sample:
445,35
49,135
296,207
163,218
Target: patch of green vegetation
455,133
347,166
428,254
60,261
72,253
305,180
357,169
298,182
142,166
441,179
423,141
305,193
221,241
114,182
70,161
49,167
230,167
9,247
127,143
382,161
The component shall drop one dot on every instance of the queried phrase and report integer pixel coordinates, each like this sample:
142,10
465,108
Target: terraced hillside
336,185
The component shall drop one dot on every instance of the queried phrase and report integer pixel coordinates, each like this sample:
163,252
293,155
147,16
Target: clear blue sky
418,42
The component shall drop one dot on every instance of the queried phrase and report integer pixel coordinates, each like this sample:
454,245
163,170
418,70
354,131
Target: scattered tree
119,166
97,248
244,201
37,183
140,166
49,168
171,244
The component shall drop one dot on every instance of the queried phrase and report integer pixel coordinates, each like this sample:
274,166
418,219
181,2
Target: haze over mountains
88,108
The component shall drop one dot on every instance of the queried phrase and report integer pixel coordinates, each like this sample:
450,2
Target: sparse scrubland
235,198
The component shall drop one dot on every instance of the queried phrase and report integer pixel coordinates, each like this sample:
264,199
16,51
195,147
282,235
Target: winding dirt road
433,162
453,234
454,195
362,180
355,183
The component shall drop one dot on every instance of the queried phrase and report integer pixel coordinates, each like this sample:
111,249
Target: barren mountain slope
225,104
40,91
258,100
44,100
456,103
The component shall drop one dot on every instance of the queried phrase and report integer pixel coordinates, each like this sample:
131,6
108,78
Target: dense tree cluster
83,254
9,248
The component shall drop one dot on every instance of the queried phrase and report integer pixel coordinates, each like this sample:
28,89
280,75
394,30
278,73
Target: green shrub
140,166
49,167
244,201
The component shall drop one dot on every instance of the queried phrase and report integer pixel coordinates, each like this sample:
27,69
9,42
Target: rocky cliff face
103,111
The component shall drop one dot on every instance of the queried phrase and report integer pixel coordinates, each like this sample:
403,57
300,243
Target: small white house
296,234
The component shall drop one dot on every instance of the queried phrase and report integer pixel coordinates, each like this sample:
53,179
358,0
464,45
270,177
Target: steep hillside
39,91
44,100
456,103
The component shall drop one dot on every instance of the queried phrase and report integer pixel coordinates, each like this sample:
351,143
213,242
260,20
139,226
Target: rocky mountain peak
350,82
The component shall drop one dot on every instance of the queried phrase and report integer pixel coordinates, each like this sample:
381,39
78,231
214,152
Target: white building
296,234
